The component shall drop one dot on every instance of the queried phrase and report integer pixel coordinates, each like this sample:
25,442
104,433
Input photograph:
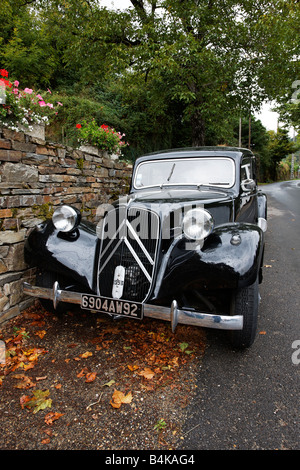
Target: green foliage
167,74
279,147
43,211
88,103
160,425
290,111
79,163
23,106
26,46
103,137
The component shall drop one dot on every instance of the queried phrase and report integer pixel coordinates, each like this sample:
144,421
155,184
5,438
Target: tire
245,302
47,279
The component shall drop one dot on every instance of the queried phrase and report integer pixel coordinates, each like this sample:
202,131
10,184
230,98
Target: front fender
229,258
70,254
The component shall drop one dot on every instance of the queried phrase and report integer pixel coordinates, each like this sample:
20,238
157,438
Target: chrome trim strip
137,259
262,223
139,241
173,314
110,256
124,238
113,238
56,293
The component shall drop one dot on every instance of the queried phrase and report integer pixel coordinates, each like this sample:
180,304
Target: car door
248,191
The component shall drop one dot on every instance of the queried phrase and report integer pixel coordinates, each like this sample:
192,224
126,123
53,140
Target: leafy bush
25,107
103,137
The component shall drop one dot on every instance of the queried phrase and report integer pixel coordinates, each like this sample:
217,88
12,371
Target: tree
26,48
290,113
180,70
214,56
280,146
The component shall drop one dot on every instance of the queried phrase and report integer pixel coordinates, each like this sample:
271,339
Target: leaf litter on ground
138,358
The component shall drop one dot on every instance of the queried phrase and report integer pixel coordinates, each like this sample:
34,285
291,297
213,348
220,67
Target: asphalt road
250,400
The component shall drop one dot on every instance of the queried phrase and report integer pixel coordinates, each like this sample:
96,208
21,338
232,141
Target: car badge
118,283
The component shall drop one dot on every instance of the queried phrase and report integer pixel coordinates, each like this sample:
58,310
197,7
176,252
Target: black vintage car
186,245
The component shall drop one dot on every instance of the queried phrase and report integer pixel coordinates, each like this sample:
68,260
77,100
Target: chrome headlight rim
65,218
197,224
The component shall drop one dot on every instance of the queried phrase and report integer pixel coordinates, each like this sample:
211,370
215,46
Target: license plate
124,308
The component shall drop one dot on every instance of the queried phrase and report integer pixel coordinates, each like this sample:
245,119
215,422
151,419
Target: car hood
166,200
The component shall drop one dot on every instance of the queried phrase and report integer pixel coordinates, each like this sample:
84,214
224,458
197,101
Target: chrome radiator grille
129,240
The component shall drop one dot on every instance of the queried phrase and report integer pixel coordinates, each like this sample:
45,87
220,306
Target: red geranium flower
78,126
4,73
6,82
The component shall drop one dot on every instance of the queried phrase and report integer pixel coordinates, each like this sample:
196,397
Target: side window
248,182
246,169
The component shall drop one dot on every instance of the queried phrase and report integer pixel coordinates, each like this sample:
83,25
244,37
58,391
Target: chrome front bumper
173,314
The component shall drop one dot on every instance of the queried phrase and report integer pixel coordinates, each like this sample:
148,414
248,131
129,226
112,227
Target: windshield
188,171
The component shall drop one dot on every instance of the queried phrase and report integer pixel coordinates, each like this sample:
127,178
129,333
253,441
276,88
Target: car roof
233,152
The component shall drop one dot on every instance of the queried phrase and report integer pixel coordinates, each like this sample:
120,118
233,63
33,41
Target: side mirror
248,185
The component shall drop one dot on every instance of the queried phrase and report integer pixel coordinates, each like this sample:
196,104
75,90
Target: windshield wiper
170,175
213,186
198,186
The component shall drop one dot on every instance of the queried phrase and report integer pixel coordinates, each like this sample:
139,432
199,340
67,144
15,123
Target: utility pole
292,166
293,159
249,136
240,132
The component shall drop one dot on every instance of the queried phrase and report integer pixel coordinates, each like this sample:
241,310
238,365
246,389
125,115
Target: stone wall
36,177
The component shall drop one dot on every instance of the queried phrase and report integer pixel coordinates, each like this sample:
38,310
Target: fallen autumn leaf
85,355
39,401
110,383
90,377
147,373
119,397
52,416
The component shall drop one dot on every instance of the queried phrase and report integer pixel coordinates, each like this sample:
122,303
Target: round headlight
65,218
197,224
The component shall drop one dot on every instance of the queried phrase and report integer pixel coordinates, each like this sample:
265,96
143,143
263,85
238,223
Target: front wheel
245,302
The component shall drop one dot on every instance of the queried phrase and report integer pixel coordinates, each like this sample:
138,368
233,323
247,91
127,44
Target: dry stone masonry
36,177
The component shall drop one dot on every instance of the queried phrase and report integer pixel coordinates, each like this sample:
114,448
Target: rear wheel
245,302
